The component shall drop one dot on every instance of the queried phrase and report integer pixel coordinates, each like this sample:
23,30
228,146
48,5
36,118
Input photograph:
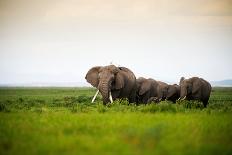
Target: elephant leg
172,99
132,97
115,94
142,99
145,98
205,102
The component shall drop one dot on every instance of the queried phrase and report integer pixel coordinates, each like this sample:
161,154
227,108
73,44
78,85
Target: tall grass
64,121
78,100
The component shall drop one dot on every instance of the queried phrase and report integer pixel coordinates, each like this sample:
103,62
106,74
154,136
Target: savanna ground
63,121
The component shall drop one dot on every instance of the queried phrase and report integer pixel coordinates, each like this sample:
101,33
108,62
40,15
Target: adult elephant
162,90
173,92
113,82
195,88
146,88
150,90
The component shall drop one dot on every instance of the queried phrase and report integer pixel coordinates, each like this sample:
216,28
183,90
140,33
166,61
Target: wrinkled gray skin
147,88
173,92
195,89
119,80
162,90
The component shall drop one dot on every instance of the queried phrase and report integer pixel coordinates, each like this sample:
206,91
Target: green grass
63,121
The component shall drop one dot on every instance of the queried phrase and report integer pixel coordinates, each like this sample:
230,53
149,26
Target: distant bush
220,106
4,108
83,99
67,101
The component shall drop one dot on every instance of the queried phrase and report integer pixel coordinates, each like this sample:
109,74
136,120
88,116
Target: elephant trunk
104,88
168,95
165,93
183,92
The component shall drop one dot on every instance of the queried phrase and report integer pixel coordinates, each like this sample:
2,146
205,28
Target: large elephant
146,88
195,88
113,82
173,92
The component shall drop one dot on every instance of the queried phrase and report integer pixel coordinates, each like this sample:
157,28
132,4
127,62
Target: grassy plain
63,121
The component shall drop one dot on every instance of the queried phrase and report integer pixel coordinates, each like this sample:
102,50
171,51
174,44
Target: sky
56,41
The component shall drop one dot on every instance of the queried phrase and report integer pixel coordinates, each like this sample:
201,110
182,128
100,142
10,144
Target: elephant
162,90
112,82
147,88
173,92
195,88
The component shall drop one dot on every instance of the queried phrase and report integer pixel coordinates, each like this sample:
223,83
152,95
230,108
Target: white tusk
111,100
95,96
184,98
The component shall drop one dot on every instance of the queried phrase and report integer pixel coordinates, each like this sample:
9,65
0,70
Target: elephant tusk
110,97
181,99
184,98
95,96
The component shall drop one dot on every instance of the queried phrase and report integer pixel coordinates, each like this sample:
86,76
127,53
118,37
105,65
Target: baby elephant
170,92
173,92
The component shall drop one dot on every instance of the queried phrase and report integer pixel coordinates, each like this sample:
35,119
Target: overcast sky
59,40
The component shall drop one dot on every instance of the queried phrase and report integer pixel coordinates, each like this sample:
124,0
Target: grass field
63,121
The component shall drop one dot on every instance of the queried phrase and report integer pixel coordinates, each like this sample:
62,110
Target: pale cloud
111,9
201,7
136,10
164,39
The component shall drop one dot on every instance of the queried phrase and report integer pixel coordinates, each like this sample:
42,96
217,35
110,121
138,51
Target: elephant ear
92,76
145,86
119,81
196,85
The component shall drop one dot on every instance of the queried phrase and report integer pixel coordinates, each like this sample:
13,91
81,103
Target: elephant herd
120,82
